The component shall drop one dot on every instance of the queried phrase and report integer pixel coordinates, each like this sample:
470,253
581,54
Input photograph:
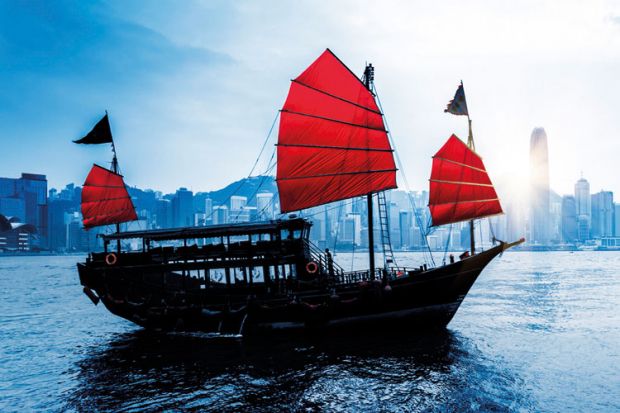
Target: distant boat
265,277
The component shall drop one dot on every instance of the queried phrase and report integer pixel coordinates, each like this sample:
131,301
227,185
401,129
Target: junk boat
267,277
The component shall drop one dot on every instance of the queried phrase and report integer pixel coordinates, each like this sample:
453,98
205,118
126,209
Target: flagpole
472,146
115,170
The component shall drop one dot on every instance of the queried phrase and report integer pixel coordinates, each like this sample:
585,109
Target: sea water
538,332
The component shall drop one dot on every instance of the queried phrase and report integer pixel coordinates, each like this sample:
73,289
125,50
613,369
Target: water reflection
438,371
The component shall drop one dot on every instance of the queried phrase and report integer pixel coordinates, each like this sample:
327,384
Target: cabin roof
212,230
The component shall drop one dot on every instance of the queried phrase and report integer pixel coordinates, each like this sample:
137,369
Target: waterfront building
617,220
405,223
393,224
241,215
238,209
238,202
351,230
199,219
26,198
7,187
183,208
569,219
602,214
163,213
208,211
220,215
77,239
57,208
465,236
539,187
15,235
555,217
584,209
264,206
318,230
13,207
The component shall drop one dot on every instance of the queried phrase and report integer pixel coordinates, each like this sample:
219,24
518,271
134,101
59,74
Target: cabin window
284,234
272,272
217,276
257,275
238,275
297,234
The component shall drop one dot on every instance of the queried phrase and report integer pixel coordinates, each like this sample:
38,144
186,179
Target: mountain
247,187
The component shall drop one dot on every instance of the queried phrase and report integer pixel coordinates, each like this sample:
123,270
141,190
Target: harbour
540,338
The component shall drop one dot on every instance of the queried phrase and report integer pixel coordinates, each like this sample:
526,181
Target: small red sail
332,143
105,199
460,188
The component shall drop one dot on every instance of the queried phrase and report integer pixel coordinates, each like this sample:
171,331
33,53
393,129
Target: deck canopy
213,231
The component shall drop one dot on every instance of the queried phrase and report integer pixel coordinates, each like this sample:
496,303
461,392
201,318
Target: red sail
332,143
105,199
460,188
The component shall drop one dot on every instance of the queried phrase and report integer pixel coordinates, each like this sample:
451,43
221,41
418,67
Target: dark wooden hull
427,299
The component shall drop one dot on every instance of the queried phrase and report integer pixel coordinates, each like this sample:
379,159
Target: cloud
64,62
193,86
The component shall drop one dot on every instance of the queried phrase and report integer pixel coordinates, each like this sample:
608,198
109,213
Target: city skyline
51,219
178,91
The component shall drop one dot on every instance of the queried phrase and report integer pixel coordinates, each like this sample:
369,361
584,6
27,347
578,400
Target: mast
105,199
332,142
460,187
369,74
470,145
115,170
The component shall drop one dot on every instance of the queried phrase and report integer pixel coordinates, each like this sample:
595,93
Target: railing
321,259
391,274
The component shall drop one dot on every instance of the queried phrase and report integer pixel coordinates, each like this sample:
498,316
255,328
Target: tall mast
369,75
115,170
472,146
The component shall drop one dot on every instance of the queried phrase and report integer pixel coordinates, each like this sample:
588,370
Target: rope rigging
407,188
242,182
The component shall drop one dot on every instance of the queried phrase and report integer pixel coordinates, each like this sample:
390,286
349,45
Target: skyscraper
539,187
208,211
569,219
602,214
183,208
264,205
584,209
616,220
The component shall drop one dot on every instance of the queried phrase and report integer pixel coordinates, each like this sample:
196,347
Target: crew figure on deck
330,262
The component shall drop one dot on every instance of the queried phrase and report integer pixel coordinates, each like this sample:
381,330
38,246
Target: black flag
458,105
101,133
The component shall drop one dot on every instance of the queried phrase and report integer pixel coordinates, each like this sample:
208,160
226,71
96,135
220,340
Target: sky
192,88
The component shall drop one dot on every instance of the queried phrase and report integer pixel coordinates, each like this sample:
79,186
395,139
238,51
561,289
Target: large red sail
460,188
332,143
105,199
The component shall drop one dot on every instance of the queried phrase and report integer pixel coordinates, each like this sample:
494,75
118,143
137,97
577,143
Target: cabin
264,256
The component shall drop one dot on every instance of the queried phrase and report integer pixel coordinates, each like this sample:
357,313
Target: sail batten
338,97
461,183
357,125
350,148
105,199
339,174
460,187
332,141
